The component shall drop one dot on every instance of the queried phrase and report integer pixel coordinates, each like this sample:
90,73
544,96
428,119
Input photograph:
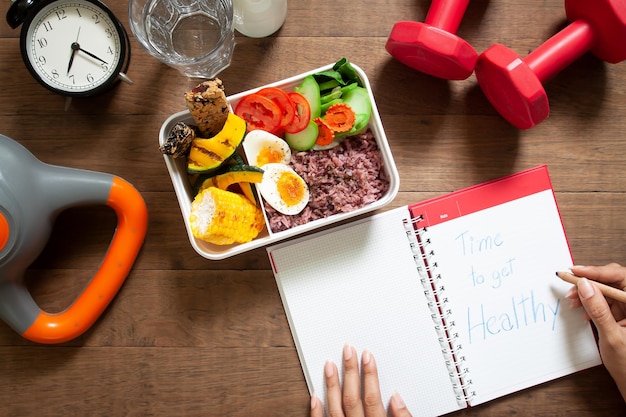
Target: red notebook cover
479,197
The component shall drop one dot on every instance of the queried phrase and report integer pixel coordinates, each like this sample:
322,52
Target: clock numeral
78,13
110,51
43,42
90,78
55,74
109,33
104,67
47,25
96,18
42,59
71,77
60,14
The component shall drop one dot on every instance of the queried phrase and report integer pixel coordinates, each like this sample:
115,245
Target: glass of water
194,36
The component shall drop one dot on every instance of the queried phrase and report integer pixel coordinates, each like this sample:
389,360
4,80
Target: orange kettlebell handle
132,225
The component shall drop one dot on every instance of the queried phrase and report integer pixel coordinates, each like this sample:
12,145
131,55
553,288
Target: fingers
372,401
351,383
351,401
333,390
316,407
613,273
397,406
574,301
598,309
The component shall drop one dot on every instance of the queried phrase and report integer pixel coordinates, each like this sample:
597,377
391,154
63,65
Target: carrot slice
325,134
340,117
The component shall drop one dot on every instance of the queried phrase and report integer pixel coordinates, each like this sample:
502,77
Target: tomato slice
259,112
284,103
302,115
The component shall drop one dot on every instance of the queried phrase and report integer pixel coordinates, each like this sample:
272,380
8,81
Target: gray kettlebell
32,194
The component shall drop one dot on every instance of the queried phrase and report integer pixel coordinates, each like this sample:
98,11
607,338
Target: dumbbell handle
561,50
446,15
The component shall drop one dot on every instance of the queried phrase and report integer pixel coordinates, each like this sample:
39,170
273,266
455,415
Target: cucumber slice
359,100
303,140
311,91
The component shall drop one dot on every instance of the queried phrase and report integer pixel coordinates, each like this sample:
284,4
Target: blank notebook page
361,287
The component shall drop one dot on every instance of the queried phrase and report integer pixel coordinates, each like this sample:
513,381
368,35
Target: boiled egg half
283,188
263,148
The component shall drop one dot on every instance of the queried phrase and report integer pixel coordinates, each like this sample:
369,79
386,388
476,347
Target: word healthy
524,311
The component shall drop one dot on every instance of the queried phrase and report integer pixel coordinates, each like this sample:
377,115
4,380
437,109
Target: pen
608,291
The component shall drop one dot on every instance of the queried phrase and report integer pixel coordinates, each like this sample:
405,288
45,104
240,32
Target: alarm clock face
74,47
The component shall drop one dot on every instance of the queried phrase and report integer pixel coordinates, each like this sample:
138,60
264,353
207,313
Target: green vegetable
358,99
348,73
333,95
341,84
311,91
325,106
342,73
330,84
304,140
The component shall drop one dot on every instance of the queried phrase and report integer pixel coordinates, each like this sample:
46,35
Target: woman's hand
347,402
609,316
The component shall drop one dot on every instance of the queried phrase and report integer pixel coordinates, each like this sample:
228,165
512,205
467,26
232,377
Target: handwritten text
474,245
524,311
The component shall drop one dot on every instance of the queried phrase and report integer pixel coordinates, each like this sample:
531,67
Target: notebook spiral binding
442,316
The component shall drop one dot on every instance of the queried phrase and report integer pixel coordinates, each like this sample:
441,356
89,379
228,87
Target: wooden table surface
191,337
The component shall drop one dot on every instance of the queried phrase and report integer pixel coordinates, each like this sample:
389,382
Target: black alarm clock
76,48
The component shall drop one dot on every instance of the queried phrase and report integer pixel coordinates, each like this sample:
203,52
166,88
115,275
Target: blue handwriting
524,311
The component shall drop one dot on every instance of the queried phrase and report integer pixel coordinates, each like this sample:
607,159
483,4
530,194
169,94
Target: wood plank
189,336
150,381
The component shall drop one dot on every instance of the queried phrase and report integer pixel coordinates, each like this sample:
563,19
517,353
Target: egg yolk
268,155
290,188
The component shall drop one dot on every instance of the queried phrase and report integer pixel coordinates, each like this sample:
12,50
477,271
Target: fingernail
585,289
366,357
313,402
347,352
398,402
329,369
572,293
576,267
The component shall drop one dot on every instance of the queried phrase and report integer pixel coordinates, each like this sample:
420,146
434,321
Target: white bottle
259,18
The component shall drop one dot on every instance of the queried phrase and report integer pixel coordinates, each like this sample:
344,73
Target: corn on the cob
223,217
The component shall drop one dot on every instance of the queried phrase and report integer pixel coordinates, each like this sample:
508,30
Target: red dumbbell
432,47
514,85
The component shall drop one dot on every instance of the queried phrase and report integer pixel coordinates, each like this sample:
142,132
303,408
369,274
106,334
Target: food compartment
185,193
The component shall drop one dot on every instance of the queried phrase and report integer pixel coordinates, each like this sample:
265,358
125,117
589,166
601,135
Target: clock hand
75,47
92,55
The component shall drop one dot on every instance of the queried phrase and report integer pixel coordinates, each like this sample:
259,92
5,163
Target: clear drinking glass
194,36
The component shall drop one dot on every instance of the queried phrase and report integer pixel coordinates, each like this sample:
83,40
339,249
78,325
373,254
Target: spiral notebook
456,297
